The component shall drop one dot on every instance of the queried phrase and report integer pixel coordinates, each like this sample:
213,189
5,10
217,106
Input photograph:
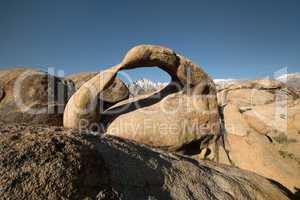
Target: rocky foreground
43,162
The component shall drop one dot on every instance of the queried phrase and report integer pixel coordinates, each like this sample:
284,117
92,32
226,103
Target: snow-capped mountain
144,86
220,80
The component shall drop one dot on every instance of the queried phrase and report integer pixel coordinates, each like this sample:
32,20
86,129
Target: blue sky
229,39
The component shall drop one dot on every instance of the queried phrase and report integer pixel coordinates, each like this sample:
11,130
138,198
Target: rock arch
196,87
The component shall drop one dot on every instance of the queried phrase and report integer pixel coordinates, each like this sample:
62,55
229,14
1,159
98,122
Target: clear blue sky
229,39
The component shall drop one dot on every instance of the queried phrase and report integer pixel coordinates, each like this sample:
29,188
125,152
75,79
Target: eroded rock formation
182,112
36,97
115,93
32,96
262,129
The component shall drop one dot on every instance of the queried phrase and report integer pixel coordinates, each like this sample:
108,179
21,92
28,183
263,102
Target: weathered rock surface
262,131
166,120
80,78
32,96
271,159
115,93
55,163
235,122
180,113
245,93
279,122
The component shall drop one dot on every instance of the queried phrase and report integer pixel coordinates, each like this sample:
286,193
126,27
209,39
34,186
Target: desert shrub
283,139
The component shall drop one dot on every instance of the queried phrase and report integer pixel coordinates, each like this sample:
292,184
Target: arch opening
151,92
144,80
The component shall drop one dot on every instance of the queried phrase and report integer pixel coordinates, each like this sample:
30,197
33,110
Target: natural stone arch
82,105
144,55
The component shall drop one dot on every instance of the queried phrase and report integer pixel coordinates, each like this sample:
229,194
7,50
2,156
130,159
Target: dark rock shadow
297,193
286,191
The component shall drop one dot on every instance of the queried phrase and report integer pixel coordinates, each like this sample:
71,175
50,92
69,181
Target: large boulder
32,96
115,93
268,157
245,93
184,111
55,163
80,78
262,132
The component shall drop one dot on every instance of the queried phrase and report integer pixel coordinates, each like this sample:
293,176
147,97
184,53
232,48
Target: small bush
283,139
286,154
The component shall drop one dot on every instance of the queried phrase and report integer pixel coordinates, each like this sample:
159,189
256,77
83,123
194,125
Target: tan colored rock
256,153
115,93
189,103
280,121
269,111
293,125
83,105
281,116
261,83
32,96
268,117
267,84
254,92
235,122
80,78
256,123
272,146
249,97
175,120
